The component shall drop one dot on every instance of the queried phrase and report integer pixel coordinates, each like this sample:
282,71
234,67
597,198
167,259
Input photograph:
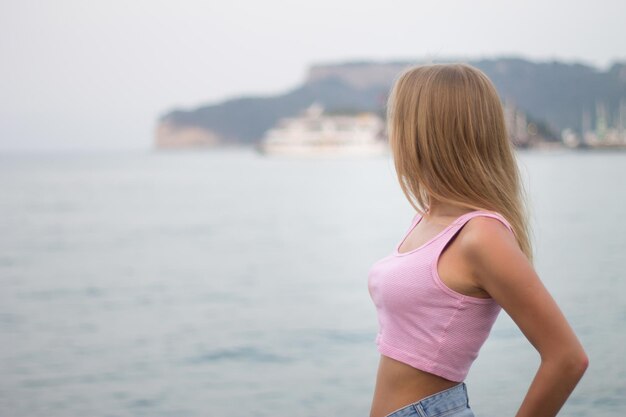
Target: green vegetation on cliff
554,95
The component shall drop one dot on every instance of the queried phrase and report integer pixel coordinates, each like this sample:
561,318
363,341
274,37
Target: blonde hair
450,144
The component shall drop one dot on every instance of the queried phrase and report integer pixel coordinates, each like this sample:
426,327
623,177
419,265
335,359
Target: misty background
97,75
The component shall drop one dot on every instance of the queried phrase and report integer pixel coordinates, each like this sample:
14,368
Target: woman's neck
438,210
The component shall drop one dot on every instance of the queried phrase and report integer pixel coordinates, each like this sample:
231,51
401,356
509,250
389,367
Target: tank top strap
495,215
455,226
416,218
414,221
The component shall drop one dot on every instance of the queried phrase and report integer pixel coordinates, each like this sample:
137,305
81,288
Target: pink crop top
422,322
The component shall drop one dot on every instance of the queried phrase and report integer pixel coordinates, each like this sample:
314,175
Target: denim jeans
452,402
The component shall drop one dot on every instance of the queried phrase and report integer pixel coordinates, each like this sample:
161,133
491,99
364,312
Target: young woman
466,255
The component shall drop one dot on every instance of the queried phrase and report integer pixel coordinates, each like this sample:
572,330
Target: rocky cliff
553,95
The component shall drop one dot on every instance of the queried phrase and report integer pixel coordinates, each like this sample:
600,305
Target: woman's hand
500,267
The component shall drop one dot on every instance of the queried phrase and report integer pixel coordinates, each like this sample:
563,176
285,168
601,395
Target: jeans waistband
454,398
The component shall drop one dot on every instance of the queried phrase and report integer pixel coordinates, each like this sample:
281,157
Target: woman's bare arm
503,270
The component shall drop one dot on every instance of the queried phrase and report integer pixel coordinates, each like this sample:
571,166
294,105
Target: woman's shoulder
488,252
488,220
486,234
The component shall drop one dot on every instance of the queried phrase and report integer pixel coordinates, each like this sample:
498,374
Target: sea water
227,283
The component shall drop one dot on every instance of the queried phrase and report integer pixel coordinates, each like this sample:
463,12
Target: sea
228,283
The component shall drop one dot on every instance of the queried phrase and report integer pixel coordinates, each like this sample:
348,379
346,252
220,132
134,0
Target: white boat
314,133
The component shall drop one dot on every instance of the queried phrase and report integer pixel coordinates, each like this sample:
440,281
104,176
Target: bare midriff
398,385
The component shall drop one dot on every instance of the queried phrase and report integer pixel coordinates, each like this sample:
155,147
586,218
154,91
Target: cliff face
358,75
172,136
244,120
553,94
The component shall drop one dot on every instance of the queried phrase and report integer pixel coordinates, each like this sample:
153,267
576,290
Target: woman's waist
399,384
396,374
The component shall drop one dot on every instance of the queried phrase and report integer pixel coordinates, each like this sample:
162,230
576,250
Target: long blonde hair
450,144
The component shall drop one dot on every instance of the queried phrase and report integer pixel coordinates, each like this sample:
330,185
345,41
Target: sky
97,75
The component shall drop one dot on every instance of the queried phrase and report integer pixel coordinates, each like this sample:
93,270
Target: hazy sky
95,74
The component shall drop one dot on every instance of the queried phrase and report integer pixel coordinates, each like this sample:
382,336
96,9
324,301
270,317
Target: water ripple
242,353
